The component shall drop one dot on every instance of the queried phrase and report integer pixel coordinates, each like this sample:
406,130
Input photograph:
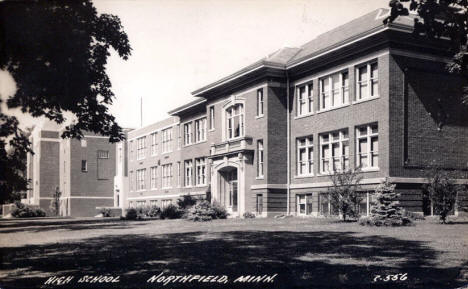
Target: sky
182,45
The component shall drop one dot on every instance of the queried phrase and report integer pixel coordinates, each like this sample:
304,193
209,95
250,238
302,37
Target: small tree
387,211
55,202
442,192
344,193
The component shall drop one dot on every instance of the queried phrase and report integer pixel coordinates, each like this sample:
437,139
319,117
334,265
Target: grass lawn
304,252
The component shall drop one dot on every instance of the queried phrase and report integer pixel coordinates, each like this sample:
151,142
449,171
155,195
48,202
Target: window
188,172
367,81
260,102
153,177
130,204
334,151
166,140
179,137
131,151
154,143
305,99
140,204
304,204
260,158
200,168
141,146
140,179
178,174
367,138
166,175
235,121
334,90
188,133
200,130
103,154
165,203
212,117
84,165
305,156
131,180
84,143
153,203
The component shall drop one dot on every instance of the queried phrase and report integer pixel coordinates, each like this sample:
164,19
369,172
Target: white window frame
211,111
260,159
166,137
132,181
166,173
154,177
200,169
102,154
178,175
370,80
305,101
154,143
200,130
188,173
308,162
131,151
370,152
141,147
85,167
231,115
343,158
343,90
260,103
140,179
188,133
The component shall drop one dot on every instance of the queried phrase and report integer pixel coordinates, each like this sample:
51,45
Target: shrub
205,211
131,214
219,211
413,216
153,211
171,212
186,202
24,211
249,215
106,212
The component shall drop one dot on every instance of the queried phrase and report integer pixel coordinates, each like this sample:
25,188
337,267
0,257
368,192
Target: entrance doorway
229,191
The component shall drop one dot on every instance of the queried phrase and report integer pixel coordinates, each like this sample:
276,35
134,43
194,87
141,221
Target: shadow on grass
35,226
301,260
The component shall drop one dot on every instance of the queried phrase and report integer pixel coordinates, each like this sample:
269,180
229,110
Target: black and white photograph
265,144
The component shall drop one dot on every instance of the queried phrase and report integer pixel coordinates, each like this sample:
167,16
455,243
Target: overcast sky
182,45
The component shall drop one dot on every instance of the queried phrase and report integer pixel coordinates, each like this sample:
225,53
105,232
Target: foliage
54,206
442,192
205,211
387,210
186,202
249,215
344,193
153,211
56,52
439,19
171,212
131,214
413,216
106,212
24,211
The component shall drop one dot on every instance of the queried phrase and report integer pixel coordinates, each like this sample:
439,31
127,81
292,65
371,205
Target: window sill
366,99
165,188
332,108
304,176
376,169
260,178
211,129
168,152
259,116
304,115
200,186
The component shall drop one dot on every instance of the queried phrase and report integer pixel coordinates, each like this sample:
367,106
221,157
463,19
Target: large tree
56,52
438,19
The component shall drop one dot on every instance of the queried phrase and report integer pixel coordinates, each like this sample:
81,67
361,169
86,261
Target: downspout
288,136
